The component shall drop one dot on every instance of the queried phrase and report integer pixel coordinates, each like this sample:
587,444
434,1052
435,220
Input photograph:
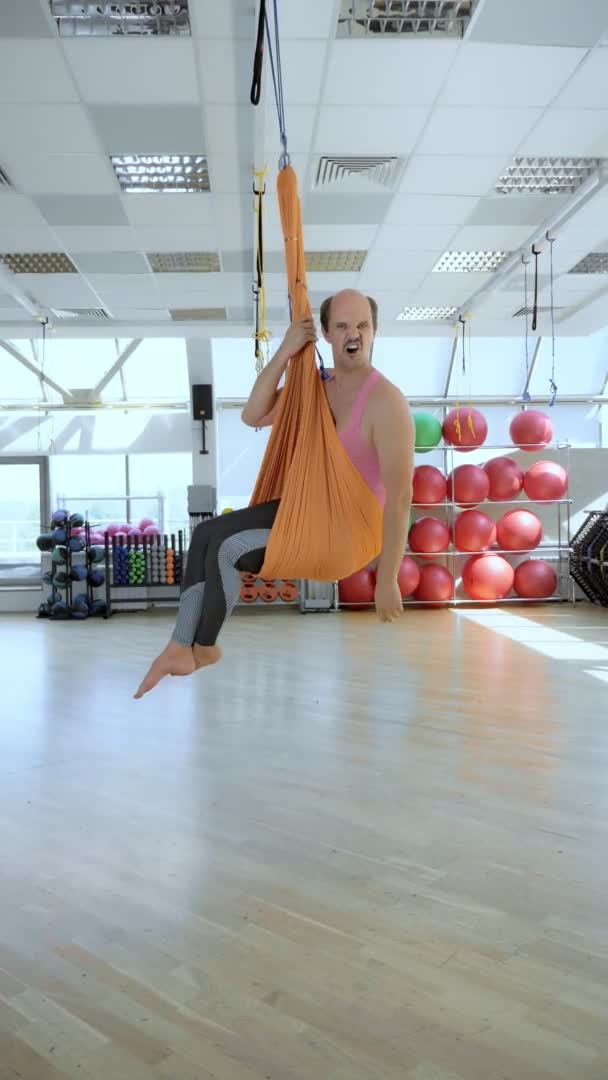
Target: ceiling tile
430,209
331,282
152,129
232,19
491,238
457,175
51,129
82,209
515,209
165,208
28,238
145,70
317,23
344,209
25,20
61,174
18,210
387,72
59,290
485,73
96,238
110,262
577,132
230,174
588,88
300,125
544,22
363,130
338,237
414,237
19,59
234,262
176,237
229,129
226,72
485,131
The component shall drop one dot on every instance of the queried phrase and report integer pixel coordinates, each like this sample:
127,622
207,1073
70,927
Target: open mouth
352,349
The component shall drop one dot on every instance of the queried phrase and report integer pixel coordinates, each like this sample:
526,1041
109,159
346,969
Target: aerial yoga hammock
329,522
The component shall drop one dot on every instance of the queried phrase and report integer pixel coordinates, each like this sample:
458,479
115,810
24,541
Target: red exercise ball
535,579
487,577
531,430
465,428
506,478
408,577
519,530
468,485
474,531
429,485
436,584
428,537
359,588
546,480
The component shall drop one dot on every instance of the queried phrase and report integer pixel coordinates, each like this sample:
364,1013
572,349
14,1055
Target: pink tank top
363,456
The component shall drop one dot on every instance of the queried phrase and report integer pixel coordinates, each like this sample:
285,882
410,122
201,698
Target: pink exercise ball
519,530
535,579
136,533
143,525
436,584
112,528
474,531
150,530
359,588
408,578
473,428
428,537
120,537
429,485
531,430
468,485
506,478
487,577
546,480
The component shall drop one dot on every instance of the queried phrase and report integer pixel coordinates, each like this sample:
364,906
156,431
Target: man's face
350,332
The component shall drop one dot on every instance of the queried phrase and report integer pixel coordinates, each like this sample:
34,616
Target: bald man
375,427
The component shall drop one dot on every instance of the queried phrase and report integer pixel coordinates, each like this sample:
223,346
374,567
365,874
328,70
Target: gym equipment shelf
589,557
151,560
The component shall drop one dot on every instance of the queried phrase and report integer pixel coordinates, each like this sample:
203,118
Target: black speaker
202,401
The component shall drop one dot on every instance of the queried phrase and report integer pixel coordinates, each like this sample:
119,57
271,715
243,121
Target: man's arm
259,409
393,437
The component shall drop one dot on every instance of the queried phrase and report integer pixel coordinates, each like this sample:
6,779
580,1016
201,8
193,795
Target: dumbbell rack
140,594
589,557
67,590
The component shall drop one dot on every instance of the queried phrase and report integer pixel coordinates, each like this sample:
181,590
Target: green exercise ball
59,554
428,432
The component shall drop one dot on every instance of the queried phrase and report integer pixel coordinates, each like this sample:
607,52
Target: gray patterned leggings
219,550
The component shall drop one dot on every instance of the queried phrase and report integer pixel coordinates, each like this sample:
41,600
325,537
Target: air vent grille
140,18
46,262
546,176
467,262
161,172
594,263
383,171
428,18
184,262
80,313
519,314
339,261
426,314
205,314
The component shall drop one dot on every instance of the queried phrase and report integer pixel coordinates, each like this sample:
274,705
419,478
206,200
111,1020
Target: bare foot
174,660
204,655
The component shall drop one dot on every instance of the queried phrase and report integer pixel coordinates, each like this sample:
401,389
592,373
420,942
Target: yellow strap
263,335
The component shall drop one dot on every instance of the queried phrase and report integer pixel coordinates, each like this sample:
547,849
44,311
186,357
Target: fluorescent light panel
161,172
546,175
467,262
426,314
142,18
434,18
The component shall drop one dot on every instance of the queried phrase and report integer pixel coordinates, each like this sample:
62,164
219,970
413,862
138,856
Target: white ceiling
455,111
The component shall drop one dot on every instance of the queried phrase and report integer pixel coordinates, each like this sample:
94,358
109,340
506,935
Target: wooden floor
349,852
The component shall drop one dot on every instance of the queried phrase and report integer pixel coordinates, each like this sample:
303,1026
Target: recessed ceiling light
184,262
333,170
80,313
162,172
426,314
467,262
208,314
546,175
338,261
102,18
436,18
45,262
594,263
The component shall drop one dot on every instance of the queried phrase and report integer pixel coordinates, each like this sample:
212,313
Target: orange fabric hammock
329,523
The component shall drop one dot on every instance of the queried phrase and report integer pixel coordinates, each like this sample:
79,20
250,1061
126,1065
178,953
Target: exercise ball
76,544
506,478
428,432
59,517
408,578
227,510
429,485
359,588
436,584
59,554
487,577
112,528
535,579
96,578
60,610
150,530
98,607
428,537
546,480
97,553
468,485
59,536
465,428
474,531
143,524
531,430
136,534
76,520
519,530
45,542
